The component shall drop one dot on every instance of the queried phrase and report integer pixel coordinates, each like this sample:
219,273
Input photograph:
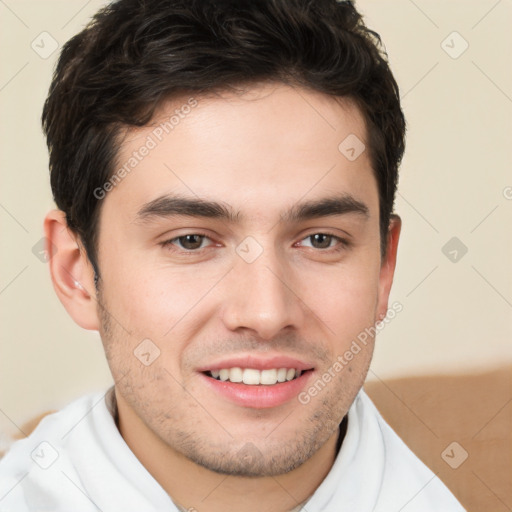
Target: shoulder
406,481
40,461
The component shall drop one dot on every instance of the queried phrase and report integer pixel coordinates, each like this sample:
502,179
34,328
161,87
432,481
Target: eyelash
169,243
342,243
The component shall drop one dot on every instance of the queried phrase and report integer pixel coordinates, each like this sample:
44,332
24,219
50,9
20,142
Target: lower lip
259,396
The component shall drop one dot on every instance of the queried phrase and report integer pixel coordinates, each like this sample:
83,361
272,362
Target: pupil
191,241
322,239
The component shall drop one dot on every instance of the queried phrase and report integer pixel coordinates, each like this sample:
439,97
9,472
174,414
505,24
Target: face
242,247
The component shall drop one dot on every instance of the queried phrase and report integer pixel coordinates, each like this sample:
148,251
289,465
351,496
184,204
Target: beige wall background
452,61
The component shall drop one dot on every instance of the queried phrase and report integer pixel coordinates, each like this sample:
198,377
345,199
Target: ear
387,269
71,271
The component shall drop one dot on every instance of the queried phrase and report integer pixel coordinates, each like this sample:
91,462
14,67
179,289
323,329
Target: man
225,174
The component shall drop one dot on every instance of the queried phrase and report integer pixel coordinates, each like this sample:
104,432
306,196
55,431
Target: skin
261,153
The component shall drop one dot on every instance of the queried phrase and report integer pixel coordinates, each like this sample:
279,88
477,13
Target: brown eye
190,242
187,243
325,242
321,240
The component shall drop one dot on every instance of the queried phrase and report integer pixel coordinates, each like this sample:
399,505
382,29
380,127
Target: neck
193,487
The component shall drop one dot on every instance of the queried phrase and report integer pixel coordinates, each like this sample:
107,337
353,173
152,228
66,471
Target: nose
261,297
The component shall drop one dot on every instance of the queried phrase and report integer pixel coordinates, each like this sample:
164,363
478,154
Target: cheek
153,300
345,299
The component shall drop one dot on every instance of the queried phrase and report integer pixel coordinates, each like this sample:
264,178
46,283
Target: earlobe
388,265
71,272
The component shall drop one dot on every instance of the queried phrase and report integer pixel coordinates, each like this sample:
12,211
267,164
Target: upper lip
258,363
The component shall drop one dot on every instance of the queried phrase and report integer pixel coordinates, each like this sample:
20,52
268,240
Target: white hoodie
77,461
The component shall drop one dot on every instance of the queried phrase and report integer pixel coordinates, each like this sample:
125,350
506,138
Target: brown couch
432,413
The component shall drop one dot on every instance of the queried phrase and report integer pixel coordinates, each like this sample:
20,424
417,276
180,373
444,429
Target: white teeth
254,377
268,377
236,375
251,376
281,375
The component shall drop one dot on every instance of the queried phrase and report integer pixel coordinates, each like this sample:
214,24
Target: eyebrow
328,206
172,205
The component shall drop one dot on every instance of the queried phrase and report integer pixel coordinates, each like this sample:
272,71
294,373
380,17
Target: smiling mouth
254,377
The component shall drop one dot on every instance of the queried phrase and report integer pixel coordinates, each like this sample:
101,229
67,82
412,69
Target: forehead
266,147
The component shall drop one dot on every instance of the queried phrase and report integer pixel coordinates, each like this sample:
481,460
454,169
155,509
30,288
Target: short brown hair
135,54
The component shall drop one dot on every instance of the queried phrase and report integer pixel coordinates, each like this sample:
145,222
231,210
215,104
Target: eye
325,241
190,242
